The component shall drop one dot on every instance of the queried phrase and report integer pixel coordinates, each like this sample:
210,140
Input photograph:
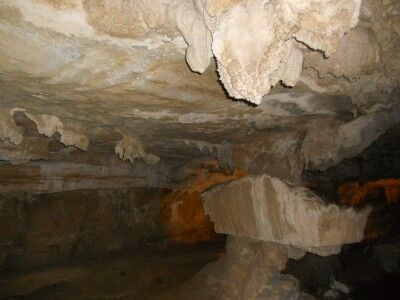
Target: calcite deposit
268,221
9,130
126,94
255,43
266,208
131,148
49,125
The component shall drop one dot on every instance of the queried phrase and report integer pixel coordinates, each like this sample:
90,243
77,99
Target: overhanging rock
268,209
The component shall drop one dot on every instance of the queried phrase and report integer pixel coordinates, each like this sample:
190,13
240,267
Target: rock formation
268,221
267,209
256,43
183,214
250,269
43,229
352,193
126,94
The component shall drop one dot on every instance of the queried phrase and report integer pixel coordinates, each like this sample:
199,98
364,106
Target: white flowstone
256,43
49,124
266,208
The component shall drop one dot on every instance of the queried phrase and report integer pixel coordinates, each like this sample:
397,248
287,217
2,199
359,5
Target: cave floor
145,274
370,270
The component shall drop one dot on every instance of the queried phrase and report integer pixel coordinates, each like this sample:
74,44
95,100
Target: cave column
268,221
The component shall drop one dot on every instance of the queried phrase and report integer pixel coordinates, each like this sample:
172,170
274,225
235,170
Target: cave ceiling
153,82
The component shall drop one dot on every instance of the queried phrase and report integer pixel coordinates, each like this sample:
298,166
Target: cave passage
199,149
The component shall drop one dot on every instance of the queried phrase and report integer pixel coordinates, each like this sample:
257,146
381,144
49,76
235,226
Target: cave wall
44,229
379,161
100,95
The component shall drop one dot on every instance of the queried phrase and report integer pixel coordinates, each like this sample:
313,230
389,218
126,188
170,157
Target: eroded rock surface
256,43
112,74
268,209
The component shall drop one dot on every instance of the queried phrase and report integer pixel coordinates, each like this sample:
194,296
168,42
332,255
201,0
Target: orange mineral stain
183,214
353,193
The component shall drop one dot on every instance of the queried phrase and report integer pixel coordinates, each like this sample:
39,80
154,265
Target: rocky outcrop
268,209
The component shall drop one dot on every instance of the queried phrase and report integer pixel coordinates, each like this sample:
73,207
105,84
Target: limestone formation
250,269
131,148
14,146
49,125
8,129
121,94
326,146
266,208
256,43
51,177
79,223
269,35
183,213
111,77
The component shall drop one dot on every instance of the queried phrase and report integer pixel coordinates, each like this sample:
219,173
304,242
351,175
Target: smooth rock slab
268,209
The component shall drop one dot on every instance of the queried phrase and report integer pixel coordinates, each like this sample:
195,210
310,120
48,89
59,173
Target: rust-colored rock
353,193
183,214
